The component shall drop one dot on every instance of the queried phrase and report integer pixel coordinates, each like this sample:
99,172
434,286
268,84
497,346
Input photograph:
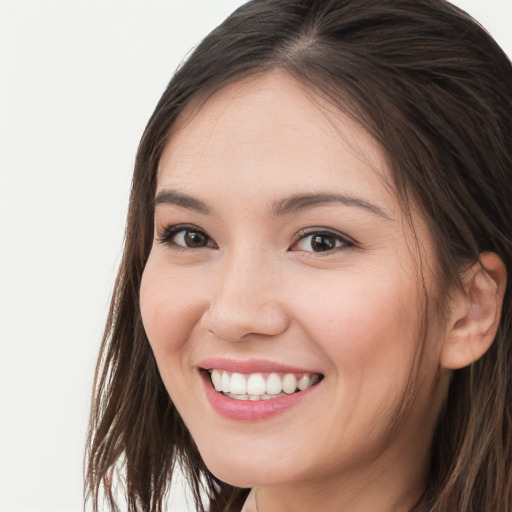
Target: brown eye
321,241
186,238
194,239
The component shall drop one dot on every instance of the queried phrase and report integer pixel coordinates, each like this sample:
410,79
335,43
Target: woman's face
280,256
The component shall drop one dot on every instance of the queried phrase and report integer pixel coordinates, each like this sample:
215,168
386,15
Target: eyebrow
173,197
280,208
305,201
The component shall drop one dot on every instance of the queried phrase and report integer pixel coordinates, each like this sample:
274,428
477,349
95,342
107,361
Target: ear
475,312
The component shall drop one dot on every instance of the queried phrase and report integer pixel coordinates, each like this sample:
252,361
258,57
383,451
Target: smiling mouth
261,386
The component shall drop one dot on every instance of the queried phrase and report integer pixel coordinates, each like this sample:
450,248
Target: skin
258,290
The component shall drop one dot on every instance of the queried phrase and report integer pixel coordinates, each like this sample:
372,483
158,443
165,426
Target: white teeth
237,397
253,398
289,383
217,380
274,384
226,382
256,384
238,384
306,381
255,387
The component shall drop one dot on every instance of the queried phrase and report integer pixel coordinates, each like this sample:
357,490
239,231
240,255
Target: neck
331,500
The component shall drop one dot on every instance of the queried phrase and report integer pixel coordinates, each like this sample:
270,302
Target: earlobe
475,313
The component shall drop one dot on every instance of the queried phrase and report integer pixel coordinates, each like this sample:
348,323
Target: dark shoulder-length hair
435,90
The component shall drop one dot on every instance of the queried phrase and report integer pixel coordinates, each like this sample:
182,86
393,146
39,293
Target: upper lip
250,366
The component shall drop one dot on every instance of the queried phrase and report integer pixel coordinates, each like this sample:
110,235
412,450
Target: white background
78,82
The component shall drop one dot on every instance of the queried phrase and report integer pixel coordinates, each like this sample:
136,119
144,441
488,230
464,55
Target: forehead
269,133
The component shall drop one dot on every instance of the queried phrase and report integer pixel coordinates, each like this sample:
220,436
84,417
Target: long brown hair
435,91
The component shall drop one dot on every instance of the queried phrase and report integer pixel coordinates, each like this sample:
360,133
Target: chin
242,469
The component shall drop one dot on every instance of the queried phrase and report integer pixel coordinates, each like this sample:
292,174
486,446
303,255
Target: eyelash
171,231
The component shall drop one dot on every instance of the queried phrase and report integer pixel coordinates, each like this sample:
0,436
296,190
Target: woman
314,301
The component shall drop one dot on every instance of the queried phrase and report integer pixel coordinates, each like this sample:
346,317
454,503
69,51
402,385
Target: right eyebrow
175,198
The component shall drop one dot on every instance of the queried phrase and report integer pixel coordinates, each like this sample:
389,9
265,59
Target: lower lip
251,410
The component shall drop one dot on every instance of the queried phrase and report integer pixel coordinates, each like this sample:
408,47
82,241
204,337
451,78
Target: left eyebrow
298,203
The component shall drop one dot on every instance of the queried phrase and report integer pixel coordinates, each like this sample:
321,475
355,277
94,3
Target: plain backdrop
78,82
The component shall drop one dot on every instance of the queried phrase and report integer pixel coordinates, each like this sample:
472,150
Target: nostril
237,322
225,336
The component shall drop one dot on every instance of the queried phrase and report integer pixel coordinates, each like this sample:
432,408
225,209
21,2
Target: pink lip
250,366
248,410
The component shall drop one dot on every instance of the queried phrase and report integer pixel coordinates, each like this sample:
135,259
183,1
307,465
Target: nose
245,300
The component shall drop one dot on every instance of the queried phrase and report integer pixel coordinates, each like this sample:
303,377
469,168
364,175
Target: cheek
362,322
368,332
171,307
